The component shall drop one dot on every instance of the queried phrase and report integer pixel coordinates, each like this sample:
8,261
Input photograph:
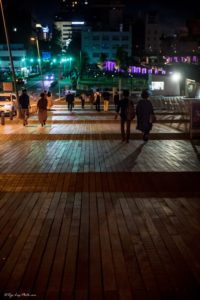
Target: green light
54,60
31,60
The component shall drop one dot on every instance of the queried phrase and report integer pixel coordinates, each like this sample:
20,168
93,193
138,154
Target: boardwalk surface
85,216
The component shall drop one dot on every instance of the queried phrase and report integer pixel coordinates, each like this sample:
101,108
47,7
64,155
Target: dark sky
176,10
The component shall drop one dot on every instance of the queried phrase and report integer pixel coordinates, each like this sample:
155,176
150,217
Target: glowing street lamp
176,77
39,58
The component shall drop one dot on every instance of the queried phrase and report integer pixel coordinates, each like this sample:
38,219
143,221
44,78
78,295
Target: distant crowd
124,107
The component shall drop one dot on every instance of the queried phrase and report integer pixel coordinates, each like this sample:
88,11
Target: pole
39,58
10,56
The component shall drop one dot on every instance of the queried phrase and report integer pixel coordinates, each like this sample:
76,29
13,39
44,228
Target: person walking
116,100
106,98
91,99
82,98
70,100
97,97
145,115
24,103
126,111
49,100
42,109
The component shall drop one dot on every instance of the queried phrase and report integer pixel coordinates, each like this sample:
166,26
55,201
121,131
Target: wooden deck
84,216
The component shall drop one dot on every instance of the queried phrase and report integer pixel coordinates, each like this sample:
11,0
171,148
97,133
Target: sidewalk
85,216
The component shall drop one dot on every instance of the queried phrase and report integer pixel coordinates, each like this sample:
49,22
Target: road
38,84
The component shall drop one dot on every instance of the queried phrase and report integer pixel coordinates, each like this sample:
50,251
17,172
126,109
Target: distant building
97,42
18,54
152,33
68,29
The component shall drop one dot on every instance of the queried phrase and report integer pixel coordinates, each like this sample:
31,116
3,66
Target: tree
102,59
122,59
56,43
83,62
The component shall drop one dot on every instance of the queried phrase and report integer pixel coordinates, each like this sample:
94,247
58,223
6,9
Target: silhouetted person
126,110
145,115
24,104
42,109
70,100
116,99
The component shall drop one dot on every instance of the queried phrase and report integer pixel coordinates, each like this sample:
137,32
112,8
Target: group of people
124,107
144,112
44,103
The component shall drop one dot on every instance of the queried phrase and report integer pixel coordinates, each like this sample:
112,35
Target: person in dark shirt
145,115
116,99
70,100
24,104
106,98
42,109
122,110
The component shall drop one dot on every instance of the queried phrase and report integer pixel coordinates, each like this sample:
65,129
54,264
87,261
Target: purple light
194,58
109,65
150,71
144,71
138,70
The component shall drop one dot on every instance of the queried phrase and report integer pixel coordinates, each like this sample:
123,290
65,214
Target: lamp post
10,55
39,58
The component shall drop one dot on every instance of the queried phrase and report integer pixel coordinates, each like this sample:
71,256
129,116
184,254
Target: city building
96,42
152,33
68,29
18,56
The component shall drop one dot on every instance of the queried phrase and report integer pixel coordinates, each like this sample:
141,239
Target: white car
8,103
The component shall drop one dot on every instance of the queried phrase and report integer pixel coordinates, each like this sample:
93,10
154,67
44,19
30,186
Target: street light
176,77
10,54
39,58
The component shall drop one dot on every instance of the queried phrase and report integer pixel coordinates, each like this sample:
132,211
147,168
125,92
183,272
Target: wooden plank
55,276
69,271
32,268
109,280
55,216
95,274
23,229
82,275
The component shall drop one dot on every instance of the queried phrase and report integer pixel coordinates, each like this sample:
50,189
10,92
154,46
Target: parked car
8,103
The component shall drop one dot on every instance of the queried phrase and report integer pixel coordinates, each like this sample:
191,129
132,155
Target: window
115,38
105,38
95,38
125,38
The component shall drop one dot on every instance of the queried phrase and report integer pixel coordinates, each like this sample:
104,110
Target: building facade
96,42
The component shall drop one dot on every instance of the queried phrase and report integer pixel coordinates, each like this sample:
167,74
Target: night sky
170,10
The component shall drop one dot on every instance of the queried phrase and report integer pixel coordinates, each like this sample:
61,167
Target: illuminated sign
78,23
157,85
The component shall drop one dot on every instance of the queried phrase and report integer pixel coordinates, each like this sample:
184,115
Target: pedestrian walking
145,115
106,99
91,99
70,100
82,98
126,111
116,100
49,100
97,99
42,109
24,103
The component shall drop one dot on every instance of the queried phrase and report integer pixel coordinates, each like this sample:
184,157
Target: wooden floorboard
84,216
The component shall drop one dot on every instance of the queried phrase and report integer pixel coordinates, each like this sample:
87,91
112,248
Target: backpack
130,110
